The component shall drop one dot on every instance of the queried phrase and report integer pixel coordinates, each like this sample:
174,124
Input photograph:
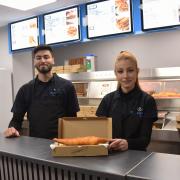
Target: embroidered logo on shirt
52,92
140,111
55,92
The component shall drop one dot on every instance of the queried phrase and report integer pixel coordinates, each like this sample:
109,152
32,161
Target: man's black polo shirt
44,103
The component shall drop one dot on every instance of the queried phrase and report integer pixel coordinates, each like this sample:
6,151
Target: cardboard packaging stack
81,127
75,65
78,60
58,69
77,68
67,68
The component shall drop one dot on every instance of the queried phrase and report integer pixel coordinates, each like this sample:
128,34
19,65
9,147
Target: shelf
161,98
79,97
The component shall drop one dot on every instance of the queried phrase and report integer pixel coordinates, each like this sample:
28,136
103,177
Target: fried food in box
88,140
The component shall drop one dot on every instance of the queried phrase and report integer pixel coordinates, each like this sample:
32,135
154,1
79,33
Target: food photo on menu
71,23
31,38
32,41
114,17
70,14
123,23
72,31
121,5
122,15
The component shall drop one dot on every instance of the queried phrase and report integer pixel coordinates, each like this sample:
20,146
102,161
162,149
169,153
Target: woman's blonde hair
125,55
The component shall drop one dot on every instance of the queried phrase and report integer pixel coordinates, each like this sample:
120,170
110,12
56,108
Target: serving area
157,166
30,158
161,83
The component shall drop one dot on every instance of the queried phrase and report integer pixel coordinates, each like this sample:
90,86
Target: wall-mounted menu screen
108,17
24,34
160,13
62,26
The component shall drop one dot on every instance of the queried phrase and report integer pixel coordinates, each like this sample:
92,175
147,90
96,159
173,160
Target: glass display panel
24,34
108,17
160,13
162,89
62,26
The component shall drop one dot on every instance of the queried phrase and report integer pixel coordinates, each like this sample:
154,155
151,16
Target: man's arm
14,125
19,108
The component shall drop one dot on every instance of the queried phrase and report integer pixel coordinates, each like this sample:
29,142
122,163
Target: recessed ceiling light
25,4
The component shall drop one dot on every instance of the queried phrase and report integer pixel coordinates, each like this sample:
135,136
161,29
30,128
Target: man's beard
44,69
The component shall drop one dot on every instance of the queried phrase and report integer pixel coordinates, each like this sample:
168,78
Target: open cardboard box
178,118
71,127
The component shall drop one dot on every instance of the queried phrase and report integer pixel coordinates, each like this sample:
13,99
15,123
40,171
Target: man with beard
44,99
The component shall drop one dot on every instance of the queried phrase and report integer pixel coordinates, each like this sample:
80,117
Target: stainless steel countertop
116,165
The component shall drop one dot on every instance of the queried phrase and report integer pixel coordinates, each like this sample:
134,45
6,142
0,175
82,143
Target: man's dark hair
41,48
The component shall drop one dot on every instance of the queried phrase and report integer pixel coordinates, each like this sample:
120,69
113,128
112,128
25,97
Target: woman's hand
118,144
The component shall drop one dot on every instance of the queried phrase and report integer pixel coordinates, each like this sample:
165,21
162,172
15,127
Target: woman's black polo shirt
132,116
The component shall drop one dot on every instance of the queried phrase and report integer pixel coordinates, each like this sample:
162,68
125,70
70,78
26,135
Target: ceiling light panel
25,4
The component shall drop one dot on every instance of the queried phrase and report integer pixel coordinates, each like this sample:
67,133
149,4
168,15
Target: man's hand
118,144
11,132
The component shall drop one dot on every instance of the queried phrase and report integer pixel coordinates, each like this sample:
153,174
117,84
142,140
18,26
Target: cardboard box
80,127
78,68
178,118
58,69
178,126
67,68
78,60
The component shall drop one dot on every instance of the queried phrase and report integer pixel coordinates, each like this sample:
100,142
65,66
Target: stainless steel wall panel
14,164
2,168
52,173
35,171
46,173
41,172
72,175
25,176
29,170
10,165
90,76
6,171
66,177
20,171
59,174
78,176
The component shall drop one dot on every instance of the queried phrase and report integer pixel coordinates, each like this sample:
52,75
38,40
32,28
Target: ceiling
8,15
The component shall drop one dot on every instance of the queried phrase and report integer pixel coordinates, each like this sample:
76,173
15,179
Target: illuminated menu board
108,17
62,26
160,13
24,34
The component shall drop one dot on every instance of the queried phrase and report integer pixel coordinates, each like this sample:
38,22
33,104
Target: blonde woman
133,111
